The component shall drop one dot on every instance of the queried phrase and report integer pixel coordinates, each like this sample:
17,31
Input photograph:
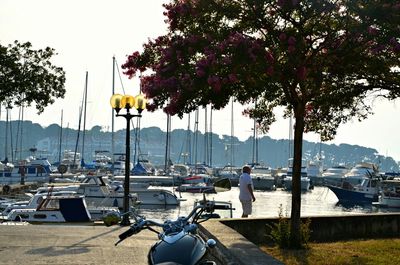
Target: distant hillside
184,146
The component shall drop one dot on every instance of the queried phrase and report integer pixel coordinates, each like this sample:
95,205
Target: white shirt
244,193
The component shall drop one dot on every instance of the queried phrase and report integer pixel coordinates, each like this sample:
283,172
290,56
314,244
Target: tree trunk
295,238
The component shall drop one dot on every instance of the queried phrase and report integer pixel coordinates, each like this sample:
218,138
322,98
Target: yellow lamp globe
115,101
128,101
140,102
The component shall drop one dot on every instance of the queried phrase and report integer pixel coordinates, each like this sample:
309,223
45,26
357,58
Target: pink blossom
282,36
292,41
301,73
215,83
232,78
372,30
270,71
291,49
200,72
281,3
269,57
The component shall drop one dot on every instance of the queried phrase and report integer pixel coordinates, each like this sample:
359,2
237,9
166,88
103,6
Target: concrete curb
233,248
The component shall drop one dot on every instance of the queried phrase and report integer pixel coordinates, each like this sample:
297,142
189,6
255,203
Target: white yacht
97,193
31,169
334,175
389,194
305,180
57,208
361,171
262,178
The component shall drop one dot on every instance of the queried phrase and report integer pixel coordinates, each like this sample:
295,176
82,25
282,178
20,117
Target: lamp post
127,102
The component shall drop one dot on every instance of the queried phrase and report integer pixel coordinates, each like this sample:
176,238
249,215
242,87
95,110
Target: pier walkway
80,244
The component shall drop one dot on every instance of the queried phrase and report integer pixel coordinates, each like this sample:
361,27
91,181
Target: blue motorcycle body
182,248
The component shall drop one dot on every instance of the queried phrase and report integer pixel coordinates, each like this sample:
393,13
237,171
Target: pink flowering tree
318,58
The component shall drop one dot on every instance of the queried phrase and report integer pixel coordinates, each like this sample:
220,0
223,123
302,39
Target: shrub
280,231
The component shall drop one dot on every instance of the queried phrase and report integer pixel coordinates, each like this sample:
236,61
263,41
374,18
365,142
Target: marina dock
79,244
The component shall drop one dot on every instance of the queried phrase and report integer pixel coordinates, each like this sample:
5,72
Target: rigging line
211,135
123,88
60,140
119,75
17,136
79,128
84,117
11,138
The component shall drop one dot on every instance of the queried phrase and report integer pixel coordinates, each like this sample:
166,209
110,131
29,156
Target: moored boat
366,192
334,175
53,209
262,178
196,188
389,194
31,169
304,182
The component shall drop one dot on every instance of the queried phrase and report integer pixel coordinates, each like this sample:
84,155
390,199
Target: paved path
94,244
62,244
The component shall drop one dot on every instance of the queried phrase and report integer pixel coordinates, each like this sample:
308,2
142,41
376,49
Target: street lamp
127,102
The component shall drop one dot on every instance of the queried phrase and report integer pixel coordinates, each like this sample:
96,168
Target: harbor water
317,202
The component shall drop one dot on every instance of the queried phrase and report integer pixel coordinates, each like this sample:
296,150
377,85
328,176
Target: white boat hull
156,197
390,202
305,183
264,183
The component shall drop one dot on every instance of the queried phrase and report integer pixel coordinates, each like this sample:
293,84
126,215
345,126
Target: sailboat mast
79,127
6,138
196,130
254,141
84,118
15,151
167,143
77,137
205,137
22,127
232,134
211,146
61,127
290,136
112,116
8,132
188,144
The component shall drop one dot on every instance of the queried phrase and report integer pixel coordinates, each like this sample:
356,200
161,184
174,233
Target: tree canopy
320,59
27,76
312,53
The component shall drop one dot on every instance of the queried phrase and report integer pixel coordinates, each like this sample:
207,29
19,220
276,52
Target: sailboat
261,174
161,197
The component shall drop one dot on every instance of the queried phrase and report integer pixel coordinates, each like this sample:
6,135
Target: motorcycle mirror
211,243
222,185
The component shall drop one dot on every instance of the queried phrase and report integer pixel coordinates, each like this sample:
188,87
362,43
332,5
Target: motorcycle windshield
172,238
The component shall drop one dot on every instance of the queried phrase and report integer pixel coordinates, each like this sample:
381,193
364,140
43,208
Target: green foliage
27,76
280,231
320,60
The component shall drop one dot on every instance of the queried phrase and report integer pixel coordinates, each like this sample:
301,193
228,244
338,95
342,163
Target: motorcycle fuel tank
187,250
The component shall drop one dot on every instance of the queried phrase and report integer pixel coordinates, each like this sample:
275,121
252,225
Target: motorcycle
179,241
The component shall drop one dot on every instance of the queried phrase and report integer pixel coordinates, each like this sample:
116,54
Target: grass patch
374,251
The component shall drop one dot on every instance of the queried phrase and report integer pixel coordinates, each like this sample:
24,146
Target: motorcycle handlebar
137,227
222,207
131,231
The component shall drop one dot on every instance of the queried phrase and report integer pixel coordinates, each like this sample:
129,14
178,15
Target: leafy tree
27,76
318,58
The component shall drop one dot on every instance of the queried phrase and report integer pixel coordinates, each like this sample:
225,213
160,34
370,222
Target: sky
87,34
